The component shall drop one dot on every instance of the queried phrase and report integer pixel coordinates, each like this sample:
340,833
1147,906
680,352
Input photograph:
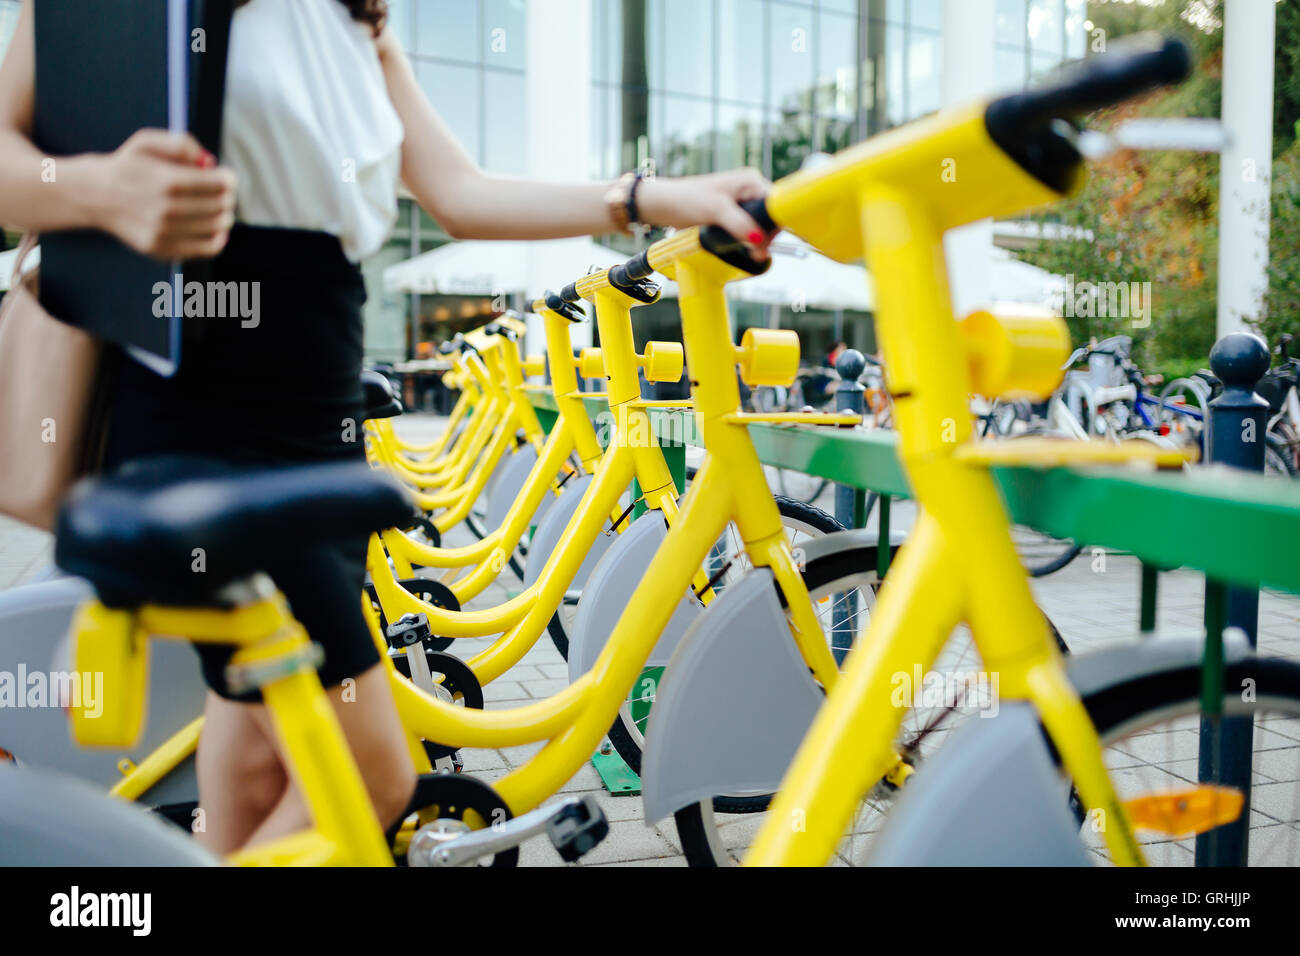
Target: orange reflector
1180,813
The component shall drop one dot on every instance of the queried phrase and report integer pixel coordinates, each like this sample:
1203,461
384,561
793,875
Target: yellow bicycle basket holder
111,661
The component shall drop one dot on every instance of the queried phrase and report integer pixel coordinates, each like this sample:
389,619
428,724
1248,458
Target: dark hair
373,12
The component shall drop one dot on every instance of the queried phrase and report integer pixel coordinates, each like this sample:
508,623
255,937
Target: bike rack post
849,502
1235,437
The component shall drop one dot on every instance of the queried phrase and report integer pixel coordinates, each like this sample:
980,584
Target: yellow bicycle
887,202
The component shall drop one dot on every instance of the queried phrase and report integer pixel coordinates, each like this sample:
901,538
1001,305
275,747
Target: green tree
1153,217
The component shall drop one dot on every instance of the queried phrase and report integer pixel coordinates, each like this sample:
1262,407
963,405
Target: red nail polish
756,237
207,160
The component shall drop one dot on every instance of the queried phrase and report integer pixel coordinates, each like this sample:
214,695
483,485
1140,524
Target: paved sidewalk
1093,602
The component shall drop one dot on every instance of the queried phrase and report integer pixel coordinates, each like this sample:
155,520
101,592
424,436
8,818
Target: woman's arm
470,204
158,192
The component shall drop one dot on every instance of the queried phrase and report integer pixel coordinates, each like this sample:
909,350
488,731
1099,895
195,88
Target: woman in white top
322,116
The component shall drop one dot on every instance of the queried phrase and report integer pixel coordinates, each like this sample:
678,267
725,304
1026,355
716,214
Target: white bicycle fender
610,586
995,799
732,706
34,622
508,487
551,527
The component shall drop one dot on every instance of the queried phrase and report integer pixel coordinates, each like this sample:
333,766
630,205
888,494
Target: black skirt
277,383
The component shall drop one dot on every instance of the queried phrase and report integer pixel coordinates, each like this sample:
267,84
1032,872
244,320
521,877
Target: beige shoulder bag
48,372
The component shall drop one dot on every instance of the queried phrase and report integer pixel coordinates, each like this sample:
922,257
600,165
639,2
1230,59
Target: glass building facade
699,85
686,86
1032,37
468,57
693,86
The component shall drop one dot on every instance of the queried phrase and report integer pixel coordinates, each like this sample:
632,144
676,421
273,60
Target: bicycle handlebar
496,328
1133,65
565,305
1022,123
757,209
631,276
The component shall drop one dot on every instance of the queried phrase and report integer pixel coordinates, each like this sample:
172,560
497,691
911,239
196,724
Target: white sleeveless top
308,125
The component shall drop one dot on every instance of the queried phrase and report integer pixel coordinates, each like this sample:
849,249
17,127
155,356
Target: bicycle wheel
802,521
1149,726
717,834
1194,393
1285,442
799,486
1151,729
1039,552
1279,459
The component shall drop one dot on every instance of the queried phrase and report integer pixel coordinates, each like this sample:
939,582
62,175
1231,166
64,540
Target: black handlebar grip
638,267
1022,123
560,307
570,293
757,209
719,242
1133,65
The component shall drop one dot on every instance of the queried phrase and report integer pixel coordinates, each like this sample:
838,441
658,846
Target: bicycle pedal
578,829
452,763
407,630
574,827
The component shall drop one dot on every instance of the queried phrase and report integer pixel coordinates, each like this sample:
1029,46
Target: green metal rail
1234,527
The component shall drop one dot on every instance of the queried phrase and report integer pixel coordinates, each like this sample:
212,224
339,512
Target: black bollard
849,397
1235,437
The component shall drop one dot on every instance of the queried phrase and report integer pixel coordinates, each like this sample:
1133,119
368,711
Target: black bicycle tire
1120,704
692,829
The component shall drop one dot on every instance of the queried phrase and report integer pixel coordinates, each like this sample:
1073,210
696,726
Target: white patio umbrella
802,276
1011,280
489,267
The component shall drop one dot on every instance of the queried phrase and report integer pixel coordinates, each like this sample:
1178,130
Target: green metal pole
1216,619
882,539
1150,583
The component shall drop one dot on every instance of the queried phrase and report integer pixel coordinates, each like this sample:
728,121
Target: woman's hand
711,199
162,194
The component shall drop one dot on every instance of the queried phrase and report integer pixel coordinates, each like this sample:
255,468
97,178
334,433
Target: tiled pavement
1093,602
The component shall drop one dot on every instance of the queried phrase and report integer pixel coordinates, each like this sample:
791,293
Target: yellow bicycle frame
730,486
572,432
524,617
271,645
885,200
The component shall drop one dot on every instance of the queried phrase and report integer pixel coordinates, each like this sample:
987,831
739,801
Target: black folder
105,69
